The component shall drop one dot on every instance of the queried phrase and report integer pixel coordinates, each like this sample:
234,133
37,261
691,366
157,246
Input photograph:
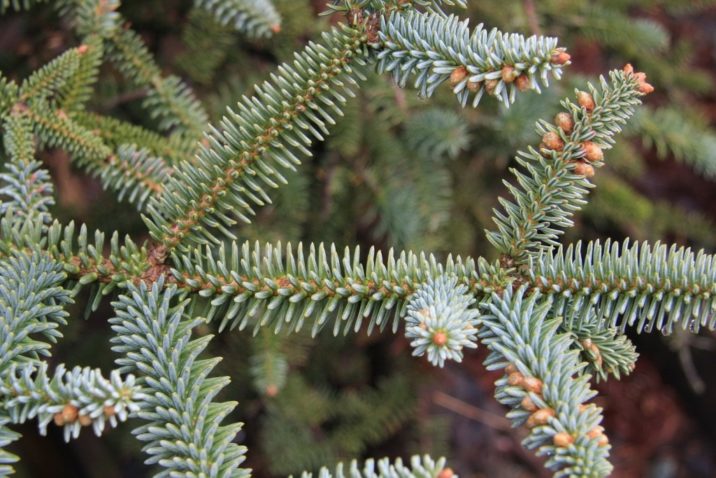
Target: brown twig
470,411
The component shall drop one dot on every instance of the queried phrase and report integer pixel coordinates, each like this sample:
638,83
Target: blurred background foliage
401,172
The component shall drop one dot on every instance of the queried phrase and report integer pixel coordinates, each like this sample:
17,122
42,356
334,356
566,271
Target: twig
469,411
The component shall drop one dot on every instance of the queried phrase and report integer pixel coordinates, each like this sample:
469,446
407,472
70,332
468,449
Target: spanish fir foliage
419,467
552,317
440,321
184,434
434,49
553,181
256,18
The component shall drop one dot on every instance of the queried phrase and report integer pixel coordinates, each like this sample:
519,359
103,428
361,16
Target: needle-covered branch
435,48
552,182
266,133
630,285
543,384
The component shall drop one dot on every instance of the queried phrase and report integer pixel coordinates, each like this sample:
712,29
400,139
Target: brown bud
532,384
271,390
446,473
59,421
528,404
640,76
562,439
515,378
645,88
69,413
564,121
603,440
457,75
523,83
592,152
440,338
584,169
510,368
595,432
490,86
474,86
109,411
509,74
552,141
540,417
85,420
628,69
585,100
560,57
276,27
61,114
82,49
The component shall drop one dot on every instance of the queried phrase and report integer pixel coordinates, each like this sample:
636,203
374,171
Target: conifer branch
78,88
605,350
184,434
115,132
553,183
8,95
31,309
26,184
267,132
440,320
31,306
671,133
47,81
636,285
435,49
255,18
130,172
540,386
169,100
283,288
71,399
418,467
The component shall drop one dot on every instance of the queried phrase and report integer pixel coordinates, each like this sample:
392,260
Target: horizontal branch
641,285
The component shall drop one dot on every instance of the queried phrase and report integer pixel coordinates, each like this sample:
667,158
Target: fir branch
115,132
268,365
671,133
183,432
540,387
71,399
81,255
256,141
640,285
436,49
26,184
437,133
419,467
131,172
440,320
553,183
605,350
31,306
91,17
8,94
78,88
269,289
7,436
255,18
135,174
17,5
169,100
47,81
